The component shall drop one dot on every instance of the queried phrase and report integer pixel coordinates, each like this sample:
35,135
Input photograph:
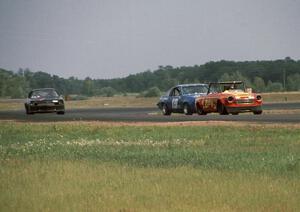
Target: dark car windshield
47,93
194,89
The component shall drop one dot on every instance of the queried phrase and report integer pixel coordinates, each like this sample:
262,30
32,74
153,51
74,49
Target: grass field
94,166
281,97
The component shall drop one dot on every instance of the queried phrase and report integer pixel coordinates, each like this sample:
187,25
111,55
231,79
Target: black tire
187,109
259,112
60,112
165,110
200,111
28,112
221,109
235,113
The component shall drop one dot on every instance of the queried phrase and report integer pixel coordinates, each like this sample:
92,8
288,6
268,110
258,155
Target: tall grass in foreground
90,186
80,166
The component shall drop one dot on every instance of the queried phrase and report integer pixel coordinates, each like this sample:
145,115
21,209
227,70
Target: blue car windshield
194,89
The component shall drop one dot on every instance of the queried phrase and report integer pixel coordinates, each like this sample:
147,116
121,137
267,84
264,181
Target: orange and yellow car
229,98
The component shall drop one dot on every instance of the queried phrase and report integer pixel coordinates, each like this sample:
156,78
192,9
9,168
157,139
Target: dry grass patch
117,101
281,97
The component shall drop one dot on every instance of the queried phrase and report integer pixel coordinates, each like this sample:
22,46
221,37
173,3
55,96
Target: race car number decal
208,103
174,103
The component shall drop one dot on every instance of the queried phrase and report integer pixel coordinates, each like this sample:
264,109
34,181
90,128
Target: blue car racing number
174,103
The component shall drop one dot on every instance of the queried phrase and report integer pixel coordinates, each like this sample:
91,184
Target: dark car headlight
258,97
230,99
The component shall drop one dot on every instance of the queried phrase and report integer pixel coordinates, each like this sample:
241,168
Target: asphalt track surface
153,115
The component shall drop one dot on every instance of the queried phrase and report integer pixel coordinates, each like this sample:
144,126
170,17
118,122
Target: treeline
262,76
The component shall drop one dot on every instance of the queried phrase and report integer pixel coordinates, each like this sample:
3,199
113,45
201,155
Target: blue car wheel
165,110
187,109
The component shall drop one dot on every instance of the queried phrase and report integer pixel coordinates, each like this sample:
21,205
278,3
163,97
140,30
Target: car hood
238,94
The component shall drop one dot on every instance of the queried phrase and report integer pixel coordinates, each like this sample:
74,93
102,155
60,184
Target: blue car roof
40,89
194,84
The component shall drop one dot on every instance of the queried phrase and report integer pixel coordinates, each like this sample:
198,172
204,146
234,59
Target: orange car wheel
200,110
257,112
221,109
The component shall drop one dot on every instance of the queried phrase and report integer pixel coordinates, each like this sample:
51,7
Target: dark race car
44,100
181,99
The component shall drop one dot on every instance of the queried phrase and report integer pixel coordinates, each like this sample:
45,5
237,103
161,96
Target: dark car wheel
235,113
165,110
257,112
187,109
28,112
221,109
200,111
60,112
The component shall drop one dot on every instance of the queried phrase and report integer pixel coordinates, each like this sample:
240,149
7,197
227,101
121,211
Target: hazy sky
115,38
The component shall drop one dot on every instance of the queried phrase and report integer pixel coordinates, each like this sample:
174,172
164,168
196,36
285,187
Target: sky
105,39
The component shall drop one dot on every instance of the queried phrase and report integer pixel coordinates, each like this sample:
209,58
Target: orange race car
229,97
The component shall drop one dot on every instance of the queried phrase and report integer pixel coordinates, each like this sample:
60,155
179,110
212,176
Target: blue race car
181,99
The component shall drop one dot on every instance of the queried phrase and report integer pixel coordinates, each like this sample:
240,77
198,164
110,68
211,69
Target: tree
293,82
4,76
259,84
106,91
236,76
254,73
274,86
88,87
41,80
152,92
225,77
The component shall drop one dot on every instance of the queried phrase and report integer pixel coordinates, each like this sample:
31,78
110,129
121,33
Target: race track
153,115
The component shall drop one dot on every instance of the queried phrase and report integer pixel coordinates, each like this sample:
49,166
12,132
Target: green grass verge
61,167
272,150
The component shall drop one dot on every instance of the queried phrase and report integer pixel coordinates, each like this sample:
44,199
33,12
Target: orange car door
211,102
